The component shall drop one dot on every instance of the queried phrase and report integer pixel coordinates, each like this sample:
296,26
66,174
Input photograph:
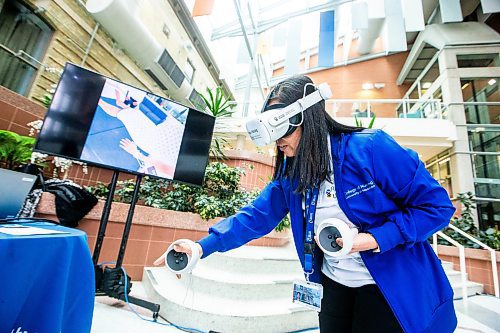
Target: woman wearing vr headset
391,281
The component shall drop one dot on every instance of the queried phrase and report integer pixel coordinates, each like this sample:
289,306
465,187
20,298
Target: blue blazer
385,190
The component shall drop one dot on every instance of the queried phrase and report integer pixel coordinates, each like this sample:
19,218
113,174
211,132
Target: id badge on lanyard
308,293
310,213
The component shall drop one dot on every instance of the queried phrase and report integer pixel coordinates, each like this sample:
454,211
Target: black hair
312,159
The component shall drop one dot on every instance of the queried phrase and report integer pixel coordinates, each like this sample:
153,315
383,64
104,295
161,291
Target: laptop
14,188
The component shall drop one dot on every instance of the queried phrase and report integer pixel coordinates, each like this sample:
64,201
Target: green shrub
219,196
15,149
465,222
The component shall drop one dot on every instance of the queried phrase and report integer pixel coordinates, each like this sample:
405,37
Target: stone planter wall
153,230
478,263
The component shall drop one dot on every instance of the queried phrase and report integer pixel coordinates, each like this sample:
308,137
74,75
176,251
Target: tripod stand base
111,282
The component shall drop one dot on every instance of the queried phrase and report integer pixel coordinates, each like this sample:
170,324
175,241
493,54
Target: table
47,282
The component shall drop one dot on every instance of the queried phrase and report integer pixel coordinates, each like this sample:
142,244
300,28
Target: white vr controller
328,232
179,262
269,126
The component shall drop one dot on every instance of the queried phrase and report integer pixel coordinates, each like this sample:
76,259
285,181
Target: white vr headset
271,125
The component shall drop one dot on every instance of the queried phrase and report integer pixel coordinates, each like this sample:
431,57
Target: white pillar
462,173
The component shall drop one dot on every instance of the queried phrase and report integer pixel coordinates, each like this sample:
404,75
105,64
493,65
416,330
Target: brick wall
17,111
258,168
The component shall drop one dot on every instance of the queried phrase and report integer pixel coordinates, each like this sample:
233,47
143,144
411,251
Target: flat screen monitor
110,124
15,188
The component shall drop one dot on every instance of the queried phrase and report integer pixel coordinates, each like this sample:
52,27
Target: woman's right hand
130,147
181,247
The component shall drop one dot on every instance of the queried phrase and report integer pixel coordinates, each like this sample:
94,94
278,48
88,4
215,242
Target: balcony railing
386,108
366,108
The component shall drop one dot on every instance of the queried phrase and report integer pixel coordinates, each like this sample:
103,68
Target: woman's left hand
362,242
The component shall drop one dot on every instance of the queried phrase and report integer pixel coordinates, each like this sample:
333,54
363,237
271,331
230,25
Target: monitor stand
112,281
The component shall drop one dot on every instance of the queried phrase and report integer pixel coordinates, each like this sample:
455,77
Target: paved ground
114,316
481,315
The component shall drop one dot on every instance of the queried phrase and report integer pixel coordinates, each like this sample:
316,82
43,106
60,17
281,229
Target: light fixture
166,30
367,86
379,85
426,85
492,82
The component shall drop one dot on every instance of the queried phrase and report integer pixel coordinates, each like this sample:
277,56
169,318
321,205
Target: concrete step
221,311
447,265
455,276
255,260
243,285
480,314
473,288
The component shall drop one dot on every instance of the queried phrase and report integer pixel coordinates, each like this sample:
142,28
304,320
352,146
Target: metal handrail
461,253
494,267
492,256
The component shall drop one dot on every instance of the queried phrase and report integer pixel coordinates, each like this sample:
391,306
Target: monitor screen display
105,122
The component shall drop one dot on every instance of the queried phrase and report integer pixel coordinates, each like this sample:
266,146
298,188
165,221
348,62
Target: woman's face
288,144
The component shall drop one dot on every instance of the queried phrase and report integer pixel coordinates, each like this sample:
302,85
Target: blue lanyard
310,214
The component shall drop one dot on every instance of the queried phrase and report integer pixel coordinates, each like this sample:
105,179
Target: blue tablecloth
47,282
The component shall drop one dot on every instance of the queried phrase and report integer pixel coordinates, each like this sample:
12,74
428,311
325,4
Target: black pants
355,310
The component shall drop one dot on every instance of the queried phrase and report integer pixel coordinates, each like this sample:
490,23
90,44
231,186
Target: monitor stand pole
111,281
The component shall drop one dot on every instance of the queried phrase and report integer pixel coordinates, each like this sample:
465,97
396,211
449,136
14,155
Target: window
197,101
439,168
189,71
485,139
479,95
478,60
170,67
24,38
489,214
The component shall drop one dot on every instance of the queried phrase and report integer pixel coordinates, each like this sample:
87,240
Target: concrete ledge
157,217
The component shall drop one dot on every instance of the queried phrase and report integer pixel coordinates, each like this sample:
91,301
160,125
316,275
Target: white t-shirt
348,270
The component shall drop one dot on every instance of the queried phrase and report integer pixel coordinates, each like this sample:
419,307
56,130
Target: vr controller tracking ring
329,231
179,262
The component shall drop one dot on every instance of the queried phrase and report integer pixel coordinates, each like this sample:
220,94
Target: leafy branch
218,106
